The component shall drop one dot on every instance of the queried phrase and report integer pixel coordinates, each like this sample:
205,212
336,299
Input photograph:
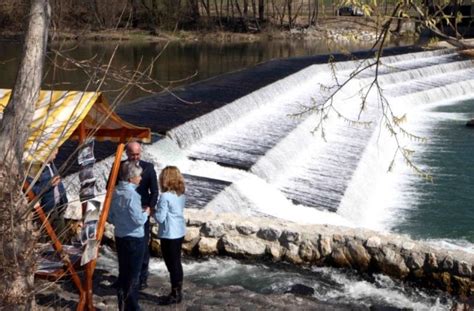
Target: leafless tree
17,260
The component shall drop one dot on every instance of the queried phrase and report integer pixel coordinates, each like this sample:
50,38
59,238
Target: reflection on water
180,63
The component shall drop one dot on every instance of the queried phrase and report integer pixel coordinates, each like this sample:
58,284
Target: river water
178,63
439,211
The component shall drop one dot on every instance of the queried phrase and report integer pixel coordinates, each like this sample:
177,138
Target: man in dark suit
148,190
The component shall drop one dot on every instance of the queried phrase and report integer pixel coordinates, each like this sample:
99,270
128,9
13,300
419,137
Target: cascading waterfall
255,156
279,93
271,162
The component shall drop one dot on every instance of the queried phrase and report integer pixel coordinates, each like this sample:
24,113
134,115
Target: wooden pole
90,266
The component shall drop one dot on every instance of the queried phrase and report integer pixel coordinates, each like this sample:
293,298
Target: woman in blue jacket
172,227
128,218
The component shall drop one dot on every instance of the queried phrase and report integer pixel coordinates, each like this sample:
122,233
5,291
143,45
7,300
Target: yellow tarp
58,115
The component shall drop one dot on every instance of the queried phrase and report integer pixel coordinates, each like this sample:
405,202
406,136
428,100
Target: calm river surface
177,64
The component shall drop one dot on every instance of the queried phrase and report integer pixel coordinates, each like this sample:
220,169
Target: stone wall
268,239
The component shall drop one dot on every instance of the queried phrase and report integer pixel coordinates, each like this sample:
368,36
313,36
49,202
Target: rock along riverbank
268,239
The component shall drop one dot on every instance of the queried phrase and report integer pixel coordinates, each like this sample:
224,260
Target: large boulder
274,250
269,234
213,229
241,246
358,255
391,263
325,246
291,254
308,251
247,228
191,239
207,246
339,259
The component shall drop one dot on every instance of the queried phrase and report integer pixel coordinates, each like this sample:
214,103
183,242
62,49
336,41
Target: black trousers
146,253
130,256
171,250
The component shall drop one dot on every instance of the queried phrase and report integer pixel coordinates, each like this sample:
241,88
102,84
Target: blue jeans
130,256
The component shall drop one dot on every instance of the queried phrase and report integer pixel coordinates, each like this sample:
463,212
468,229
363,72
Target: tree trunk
289,3
316,12
17,260
134,11
194,10
218,13
261,11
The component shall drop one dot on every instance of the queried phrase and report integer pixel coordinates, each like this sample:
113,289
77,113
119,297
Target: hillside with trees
243,16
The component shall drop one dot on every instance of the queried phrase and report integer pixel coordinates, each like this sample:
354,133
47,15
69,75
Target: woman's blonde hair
172,180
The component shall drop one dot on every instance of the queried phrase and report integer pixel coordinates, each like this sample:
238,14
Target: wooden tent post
90,267
59,248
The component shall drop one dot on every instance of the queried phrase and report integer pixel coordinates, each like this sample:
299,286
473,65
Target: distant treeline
230,15
233,15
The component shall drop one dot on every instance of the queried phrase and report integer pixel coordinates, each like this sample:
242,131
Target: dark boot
176,295
143,285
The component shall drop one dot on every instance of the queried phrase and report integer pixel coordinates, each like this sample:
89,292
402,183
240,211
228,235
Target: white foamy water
254,157
383,291
330,285
268,161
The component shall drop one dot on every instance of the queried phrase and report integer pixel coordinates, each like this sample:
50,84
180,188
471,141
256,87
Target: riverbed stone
240,246
373,242
247,228
195,222
325,246
461,268
339,259
288,236
359,257
462,286
361,249
213,229
300,289
291,254
191,239
415,261
207,246
192,234
431,262
274,250
308,252
445,279
228,226
338,238
392,263
269,234
447,263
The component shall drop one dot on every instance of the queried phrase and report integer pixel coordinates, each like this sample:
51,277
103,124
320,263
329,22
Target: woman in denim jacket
172,227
